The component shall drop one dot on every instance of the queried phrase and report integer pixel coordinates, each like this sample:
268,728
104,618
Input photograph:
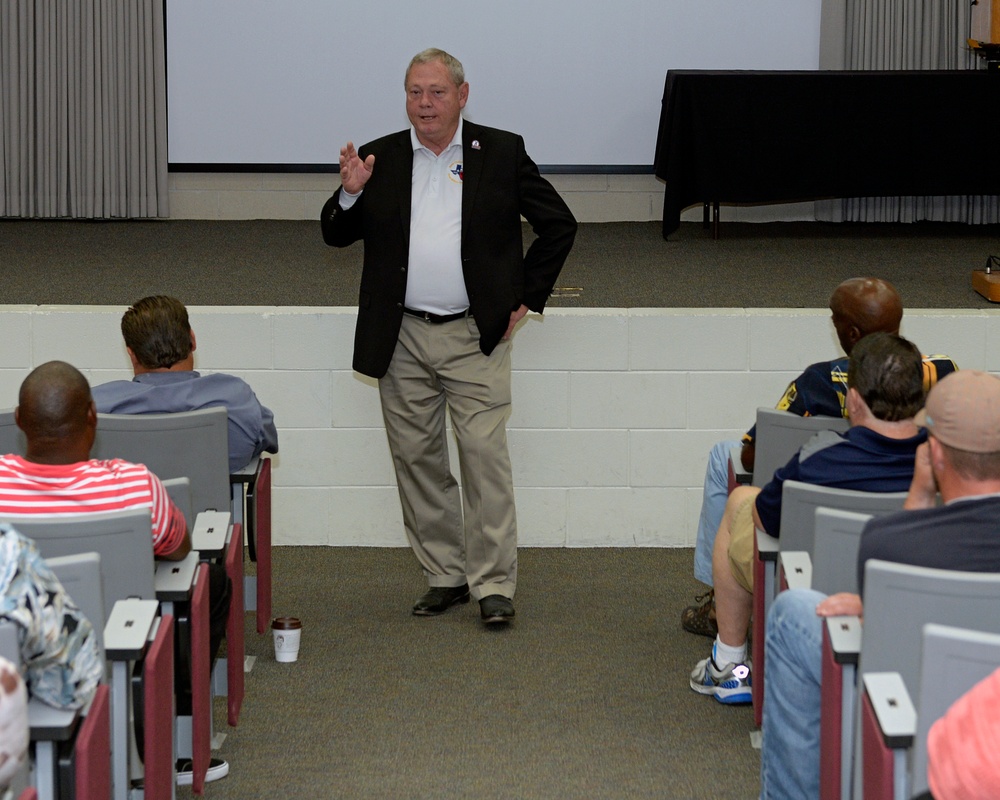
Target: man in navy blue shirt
885,391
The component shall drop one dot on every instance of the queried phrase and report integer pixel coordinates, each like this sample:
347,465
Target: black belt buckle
436,319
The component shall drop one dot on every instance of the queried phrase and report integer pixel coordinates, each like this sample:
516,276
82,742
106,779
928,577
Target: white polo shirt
435,282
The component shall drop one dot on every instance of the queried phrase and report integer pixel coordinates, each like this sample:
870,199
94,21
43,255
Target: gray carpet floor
585,695
613,265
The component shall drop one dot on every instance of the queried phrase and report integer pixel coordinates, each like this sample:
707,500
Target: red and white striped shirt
53,490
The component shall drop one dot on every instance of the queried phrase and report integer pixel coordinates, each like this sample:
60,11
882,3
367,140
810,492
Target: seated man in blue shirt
161,346
876,454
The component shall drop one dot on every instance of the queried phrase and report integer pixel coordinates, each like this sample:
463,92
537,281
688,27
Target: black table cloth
753,136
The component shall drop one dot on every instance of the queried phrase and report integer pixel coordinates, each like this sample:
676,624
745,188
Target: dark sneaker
700,618
217,768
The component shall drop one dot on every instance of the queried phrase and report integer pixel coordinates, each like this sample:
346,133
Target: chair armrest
127,630
893,708
768,546
845,638
740,475
210,532
173,579
50,724
796,568
246,474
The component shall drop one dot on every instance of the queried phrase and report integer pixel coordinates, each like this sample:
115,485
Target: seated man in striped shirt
57,477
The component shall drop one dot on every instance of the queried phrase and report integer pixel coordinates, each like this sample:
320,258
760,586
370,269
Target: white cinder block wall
614,409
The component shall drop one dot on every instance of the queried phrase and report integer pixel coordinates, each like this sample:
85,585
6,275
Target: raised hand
354,173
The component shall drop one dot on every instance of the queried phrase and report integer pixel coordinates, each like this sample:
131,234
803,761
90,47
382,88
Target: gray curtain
83,109
908,34
904,34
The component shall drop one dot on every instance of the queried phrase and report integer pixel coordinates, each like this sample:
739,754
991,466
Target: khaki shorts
741,541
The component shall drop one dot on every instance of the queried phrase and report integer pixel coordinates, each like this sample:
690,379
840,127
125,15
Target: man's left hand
515,317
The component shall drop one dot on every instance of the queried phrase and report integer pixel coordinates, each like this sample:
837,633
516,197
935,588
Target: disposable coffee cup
287,632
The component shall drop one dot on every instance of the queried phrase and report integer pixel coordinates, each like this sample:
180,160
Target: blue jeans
789,759
713,504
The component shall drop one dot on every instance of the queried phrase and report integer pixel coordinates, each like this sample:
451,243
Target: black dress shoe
439,599
496,609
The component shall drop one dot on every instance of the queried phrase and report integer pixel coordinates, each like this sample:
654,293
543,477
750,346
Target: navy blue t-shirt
858,459
963,535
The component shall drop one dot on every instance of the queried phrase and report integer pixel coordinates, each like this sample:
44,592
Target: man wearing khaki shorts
885,391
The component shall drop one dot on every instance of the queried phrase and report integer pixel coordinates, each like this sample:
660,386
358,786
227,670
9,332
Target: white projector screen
284,83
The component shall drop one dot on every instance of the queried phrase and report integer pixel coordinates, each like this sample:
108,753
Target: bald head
862,306
56,413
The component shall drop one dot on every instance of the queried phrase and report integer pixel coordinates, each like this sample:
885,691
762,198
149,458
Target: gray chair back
122,539
10,647
799,502
80,576
953,660
191,444
900,599
179,490
835,552
781,434
11,437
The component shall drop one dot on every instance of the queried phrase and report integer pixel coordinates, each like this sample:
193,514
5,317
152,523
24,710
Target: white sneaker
729,684
217,768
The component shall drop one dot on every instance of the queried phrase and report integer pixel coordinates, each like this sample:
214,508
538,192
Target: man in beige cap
961,461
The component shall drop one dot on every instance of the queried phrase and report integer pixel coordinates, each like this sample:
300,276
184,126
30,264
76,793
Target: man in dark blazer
445,282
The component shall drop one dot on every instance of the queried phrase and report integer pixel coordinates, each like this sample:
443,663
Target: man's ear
854,335
194,344
856,406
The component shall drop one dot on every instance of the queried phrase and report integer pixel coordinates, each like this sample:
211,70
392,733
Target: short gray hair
454,66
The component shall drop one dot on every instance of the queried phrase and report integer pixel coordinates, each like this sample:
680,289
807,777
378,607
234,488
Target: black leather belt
437,319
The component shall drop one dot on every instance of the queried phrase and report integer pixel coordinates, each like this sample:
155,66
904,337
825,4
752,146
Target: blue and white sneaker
729,684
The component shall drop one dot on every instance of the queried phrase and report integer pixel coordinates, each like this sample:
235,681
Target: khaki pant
741,541
436,368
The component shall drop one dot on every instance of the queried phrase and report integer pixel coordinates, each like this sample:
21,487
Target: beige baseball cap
963,411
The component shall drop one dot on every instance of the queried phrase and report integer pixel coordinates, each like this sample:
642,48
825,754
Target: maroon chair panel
757,646
201,694
235,648
92,773
831,723
876,757
158,698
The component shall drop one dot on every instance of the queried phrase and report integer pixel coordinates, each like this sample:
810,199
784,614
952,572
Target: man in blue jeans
859,306
961,460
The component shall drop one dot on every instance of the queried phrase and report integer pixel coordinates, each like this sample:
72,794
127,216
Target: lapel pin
475,144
